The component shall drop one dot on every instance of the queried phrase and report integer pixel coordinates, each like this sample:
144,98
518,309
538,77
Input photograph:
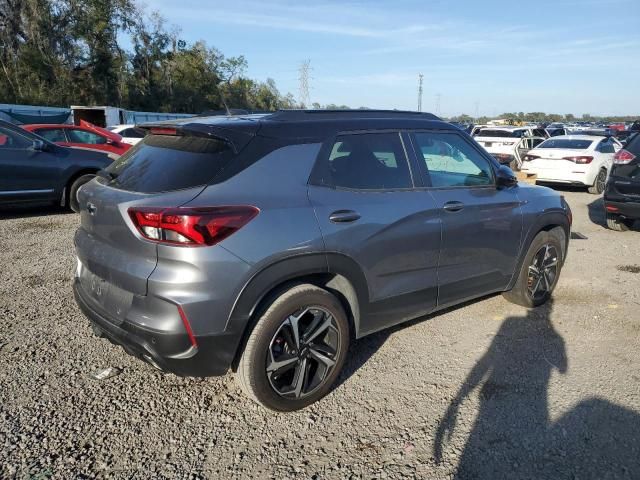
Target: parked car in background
508,145
573,159
557,131
264,244
32,169
85,135
130,133
622,194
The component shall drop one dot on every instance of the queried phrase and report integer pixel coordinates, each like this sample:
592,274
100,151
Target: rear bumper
629,210
559,176
213,355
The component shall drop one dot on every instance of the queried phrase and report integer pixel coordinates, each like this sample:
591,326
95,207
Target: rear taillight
528,157
622,157
191,226
581,159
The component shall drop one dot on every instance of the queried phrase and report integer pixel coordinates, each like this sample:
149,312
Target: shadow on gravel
513,436
27,211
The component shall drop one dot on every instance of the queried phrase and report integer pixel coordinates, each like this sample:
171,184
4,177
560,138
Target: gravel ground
487,390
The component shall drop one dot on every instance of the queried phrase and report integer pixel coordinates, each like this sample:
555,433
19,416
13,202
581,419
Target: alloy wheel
303,352
542,272
601,181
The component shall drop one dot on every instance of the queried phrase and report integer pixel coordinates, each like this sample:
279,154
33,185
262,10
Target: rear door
25,173
625,178
481,224
368,211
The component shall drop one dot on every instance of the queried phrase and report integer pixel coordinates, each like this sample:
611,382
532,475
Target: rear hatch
163,170
625,172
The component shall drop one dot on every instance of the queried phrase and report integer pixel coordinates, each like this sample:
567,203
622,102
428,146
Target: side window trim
321,176
425,172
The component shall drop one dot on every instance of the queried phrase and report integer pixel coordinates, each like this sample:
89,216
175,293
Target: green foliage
63,52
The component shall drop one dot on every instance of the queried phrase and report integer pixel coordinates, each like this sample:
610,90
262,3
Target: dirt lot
488,390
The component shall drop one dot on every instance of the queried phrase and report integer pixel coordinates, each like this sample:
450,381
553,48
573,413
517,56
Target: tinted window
571,144
52,134
451,161
371,161
606,146
501,133
162,162
11,139
80,136
633,145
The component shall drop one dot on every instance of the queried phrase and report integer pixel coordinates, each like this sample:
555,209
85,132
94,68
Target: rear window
633,145
165,162
566,143
501,133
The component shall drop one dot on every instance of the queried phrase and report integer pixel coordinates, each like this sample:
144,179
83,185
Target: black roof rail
351,113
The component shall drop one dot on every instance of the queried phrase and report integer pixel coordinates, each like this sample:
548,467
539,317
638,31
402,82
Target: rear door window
13,140
161,163
369,161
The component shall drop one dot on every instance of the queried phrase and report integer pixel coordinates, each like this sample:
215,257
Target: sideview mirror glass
505,177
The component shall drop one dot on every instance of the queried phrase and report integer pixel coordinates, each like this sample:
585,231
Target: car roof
51,125
507,129
578,137
307,124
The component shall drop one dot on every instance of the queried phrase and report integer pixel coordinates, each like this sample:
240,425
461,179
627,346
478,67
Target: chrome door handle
344,216
453,206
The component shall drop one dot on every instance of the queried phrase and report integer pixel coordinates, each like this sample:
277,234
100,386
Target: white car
574,160
508,145
130,133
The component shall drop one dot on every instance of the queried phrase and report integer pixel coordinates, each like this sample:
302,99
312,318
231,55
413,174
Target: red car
85,135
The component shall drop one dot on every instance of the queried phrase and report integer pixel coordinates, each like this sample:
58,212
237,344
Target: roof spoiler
236,138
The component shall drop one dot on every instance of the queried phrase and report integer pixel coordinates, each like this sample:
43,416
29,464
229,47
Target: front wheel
296,350
73,191
539,272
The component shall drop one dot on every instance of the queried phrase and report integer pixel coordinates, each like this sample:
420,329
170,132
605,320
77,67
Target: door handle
344,216
453,206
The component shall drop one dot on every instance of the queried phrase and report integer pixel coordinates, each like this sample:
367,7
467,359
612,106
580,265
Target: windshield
501,133
566,143
161,163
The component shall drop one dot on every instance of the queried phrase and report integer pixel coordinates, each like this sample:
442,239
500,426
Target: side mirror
505,177
39,146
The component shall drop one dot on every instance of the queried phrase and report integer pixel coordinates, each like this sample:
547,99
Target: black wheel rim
303,352
601,181
542,272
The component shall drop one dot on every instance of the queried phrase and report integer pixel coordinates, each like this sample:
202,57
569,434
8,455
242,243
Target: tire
73,191
273,340
614,222
545,256
599,183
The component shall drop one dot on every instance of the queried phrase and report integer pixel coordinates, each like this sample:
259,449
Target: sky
485,56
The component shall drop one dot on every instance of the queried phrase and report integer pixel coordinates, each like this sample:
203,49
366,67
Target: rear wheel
296,350
615,222
539,272
73,191
599,183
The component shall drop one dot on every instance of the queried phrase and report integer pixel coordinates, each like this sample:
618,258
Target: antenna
224,102
304,83
420,77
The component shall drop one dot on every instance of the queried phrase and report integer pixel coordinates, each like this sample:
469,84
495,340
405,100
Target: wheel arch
64,200
336,273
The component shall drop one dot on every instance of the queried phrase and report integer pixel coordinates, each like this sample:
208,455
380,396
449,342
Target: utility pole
438,97
304,84
420,77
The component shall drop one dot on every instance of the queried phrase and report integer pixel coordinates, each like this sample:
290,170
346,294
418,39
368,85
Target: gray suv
266,243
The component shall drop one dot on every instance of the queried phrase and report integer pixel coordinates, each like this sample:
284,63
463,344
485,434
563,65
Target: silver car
266,244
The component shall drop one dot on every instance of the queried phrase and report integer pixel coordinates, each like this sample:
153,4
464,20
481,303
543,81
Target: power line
420,77
304,83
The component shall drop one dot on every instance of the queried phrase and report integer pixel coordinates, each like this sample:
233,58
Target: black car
622,194
33,169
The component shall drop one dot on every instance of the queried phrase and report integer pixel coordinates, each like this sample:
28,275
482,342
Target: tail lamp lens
191,226
580,159
623,157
